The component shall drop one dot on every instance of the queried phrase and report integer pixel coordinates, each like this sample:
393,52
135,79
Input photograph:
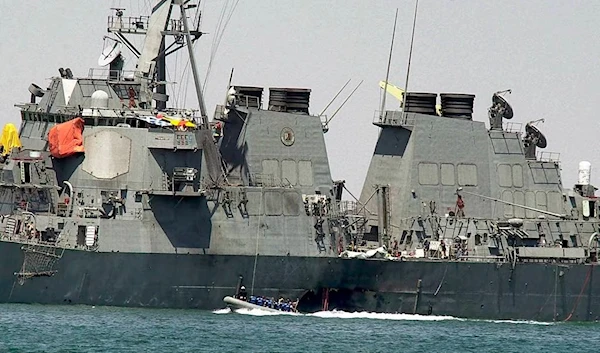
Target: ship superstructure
483,192
107,167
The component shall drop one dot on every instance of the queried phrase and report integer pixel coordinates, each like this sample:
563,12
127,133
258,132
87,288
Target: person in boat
243,295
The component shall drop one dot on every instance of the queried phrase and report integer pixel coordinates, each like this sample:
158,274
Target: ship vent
423,103
247,96
456,105
293,100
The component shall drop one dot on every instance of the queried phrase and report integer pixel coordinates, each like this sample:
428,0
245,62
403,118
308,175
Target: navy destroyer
111,197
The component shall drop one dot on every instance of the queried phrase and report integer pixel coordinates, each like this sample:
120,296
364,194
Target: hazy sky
545,51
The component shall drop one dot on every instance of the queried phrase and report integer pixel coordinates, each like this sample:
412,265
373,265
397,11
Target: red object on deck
66,139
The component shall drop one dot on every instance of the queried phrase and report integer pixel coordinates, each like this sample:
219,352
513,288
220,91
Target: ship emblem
287,136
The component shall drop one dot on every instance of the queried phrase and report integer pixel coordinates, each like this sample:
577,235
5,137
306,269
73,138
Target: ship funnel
248,96
423,103
292,100
585,173
456,105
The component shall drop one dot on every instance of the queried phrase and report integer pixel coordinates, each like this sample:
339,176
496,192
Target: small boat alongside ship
241,301
260,303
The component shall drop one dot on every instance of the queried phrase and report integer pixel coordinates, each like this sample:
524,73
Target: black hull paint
532,291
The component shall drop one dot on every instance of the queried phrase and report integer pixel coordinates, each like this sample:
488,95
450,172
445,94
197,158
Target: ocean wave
338,314
259,312
222,311
528,322
414,317
381,316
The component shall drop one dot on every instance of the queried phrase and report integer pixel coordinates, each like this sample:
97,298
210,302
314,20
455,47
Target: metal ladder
10,227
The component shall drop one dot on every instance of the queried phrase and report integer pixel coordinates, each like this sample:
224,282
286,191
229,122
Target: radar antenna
499,110
118,11
533,138
111,55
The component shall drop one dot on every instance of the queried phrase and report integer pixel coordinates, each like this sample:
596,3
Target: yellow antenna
395,91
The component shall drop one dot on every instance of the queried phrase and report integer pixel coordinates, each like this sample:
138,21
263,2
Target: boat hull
241,304
529,291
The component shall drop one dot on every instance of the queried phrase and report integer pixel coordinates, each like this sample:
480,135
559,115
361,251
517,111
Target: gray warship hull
479,290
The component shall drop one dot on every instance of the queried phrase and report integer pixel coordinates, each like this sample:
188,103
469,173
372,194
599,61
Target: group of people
281,304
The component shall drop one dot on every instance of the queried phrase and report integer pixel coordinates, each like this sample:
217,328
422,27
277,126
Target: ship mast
150,70
412,40
153,43
197,84
387,74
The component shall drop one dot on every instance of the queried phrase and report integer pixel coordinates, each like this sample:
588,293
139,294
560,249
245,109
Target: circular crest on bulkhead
287,136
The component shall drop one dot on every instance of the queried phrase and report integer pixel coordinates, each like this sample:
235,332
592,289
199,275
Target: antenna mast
412,39
188,40
387,74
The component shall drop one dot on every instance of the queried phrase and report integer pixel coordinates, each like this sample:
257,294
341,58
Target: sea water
40,328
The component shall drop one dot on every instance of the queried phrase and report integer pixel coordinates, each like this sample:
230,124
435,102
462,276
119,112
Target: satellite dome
99,99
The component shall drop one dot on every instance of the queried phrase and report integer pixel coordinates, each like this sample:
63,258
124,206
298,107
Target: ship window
81,235
271,172
467,174
89,87
591,206
289,173
447,174
573,203
273,204
517,175
403,238
305,173
428,174
504,175
371,235
574,241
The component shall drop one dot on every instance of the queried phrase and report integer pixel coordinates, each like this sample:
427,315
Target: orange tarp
65,139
